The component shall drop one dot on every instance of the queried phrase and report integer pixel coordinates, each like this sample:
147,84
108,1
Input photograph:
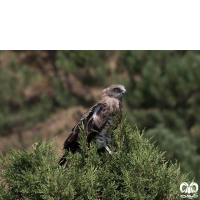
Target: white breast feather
96,110
118,101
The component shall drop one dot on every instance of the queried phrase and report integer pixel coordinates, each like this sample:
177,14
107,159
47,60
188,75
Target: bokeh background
44,93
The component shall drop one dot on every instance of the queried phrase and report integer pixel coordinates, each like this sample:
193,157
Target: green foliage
16,110
180,147
137,171
89,66
19,110
163,91
63,97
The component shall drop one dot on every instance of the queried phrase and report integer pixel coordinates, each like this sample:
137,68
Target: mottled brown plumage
98,120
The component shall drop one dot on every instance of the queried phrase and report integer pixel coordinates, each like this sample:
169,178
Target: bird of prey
98,121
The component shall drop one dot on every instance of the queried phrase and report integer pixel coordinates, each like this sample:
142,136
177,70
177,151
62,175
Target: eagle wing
93,120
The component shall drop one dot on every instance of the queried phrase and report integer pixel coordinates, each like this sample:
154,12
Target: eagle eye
116,89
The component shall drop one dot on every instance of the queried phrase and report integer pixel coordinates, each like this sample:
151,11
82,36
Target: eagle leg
109,151
108,139
102,142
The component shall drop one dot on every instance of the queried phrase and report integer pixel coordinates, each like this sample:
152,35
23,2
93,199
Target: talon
113,153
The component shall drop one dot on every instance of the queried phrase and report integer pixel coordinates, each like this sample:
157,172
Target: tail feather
70,145
62,160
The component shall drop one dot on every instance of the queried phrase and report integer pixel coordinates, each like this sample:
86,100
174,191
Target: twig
98,197
133,189
151,167
140,172
120,137
177,179
87,144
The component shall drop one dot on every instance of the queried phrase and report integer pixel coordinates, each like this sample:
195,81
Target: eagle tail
62,161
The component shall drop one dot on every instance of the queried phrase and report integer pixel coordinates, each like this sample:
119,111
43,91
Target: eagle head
116,91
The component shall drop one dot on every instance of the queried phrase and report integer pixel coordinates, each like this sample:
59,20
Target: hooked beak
125,92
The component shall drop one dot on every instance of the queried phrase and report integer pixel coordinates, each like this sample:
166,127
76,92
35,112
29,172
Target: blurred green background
44,93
